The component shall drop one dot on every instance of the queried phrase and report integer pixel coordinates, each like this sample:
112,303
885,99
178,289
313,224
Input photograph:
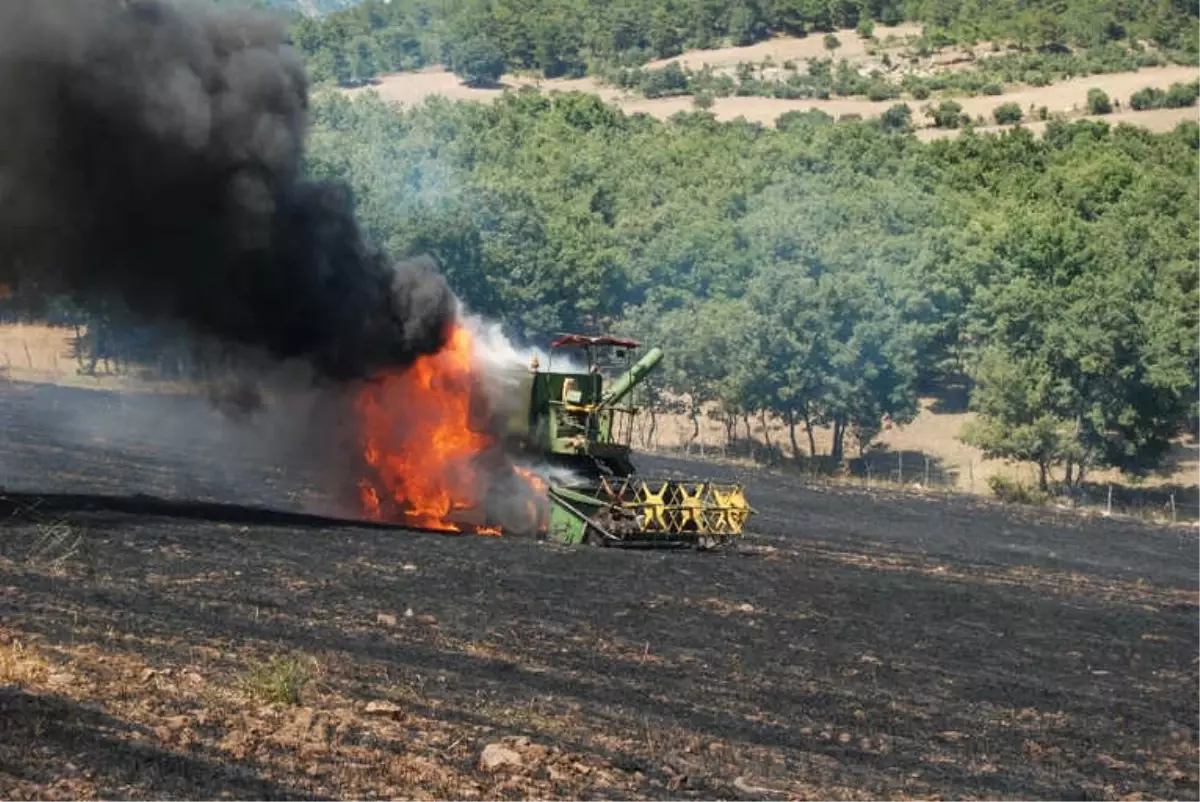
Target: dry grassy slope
40,354
1067,98
791,48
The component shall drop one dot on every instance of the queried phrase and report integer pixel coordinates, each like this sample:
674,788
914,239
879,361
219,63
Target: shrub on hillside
795,120
1148,98
1008,114
947,114
1098,102
1013,491
882,90
670,80
847,80
1182,95
897,118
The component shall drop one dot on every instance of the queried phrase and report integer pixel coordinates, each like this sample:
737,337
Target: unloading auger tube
579,422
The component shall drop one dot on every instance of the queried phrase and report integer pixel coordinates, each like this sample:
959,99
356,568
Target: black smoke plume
152,153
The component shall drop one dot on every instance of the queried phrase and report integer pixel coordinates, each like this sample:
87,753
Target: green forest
825,273
482,39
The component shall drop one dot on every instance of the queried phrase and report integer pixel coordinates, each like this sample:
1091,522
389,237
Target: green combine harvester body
582,424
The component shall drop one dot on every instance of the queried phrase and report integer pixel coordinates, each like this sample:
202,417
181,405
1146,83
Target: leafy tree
664,36
478,61
362,62
1011,398
746,26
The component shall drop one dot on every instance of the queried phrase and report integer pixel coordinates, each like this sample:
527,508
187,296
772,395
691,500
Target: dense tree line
480,39
825,273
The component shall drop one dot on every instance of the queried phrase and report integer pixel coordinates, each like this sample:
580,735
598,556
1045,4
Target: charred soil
857,645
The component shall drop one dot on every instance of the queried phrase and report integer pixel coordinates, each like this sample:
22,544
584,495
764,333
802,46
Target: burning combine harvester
528,451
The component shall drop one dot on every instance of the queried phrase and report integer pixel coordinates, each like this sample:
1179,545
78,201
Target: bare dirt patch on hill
851,46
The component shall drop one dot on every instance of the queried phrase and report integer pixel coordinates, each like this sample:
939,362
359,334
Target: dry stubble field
857,645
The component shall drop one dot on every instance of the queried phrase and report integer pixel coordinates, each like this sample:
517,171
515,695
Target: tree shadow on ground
903,466
953,400
41,735
951,396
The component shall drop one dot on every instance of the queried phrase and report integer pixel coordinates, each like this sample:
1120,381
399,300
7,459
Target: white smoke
497,353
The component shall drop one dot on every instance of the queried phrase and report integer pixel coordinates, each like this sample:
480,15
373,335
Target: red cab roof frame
568,340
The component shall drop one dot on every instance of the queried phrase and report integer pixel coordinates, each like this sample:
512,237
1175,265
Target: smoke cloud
152,153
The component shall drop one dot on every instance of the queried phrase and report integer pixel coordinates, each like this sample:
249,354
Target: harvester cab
581,415
581,419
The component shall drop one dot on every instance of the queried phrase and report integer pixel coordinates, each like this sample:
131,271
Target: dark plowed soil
857,645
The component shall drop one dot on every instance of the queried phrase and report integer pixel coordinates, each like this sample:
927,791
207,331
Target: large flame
421,446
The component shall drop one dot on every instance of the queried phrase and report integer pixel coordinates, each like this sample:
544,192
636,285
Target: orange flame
420,446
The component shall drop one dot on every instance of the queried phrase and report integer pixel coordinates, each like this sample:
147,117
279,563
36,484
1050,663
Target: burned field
858,645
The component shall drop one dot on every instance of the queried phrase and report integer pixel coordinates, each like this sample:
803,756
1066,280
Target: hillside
850,269
857,645
1064,99
828,277
576,38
